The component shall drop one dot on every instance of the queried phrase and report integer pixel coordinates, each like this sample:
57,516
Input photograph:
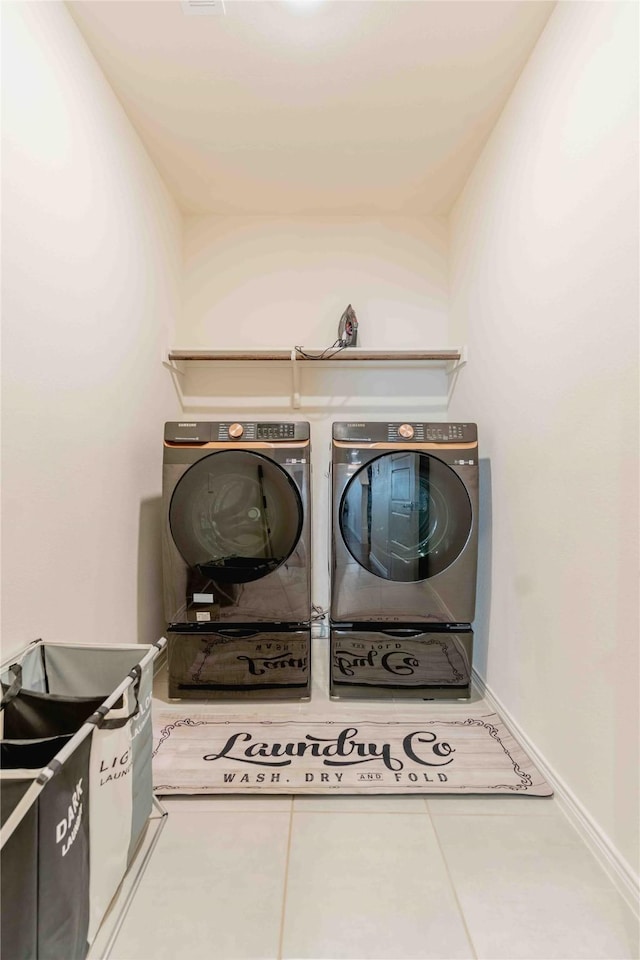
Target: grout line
622,875
453,886
361,812
501,813
285,885
268,808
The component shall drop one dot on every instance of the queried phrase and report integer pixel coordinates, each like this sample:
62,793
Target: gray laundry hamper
76,789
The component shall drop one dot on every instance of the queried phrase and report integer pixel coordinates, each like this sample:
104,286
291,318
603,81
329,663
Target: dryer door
405,516
235,516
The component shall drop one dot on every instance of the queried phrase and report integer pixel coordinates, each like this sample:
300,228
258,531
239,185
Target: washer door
235,516
405,516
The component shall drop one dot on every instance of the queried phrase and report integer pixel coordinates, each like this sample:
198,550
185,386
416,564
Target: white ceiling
353,107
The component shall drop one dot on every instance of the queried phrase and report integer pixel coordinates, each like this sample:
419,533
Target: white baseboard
616,867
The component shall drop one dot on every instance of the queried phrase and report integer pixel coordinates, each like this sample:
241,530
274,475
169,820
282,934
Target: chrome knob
406,431
236,430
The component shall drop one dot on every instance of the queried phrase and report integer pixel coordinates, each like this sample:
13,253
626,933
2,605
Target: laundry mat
469,752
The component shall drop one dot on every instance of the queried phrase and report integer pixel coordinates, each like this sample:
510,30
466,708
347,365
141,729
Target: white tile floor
261,878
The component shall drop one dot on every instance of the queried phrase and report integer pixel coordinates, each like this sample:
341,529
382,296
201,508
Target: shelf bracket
173,365
455,365
295,381
453,371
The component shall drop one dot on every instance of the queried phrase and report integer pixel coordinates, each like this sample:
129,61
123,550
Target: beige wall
544,277
542,274
278,282
281,282
91,268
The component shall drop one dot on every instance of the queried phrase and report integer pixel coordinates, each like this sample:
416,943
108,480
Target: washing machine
236,551
404,550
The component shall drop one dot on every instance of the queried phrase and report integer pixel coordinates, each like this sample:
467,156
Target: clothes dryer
403,559
236,544
405,522
236,559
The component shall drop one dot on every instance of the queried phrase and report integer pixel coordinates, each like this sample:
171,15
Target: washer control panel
272,431
276,431
406,432
447,432
197,432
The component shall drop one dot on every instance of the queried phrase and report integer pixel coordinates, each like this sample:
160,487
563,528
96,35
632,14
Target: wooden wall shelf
349,354
451,360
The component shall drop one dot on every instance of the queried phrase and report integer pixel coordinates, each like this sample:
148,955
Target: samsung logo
187,424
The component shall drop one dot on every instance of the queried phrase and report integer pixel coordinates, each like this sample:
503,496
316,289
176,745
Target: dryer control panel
194,432
406,432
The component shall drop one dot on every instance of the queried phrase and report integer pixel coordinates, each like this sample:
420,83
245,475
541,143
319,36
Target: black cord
324,355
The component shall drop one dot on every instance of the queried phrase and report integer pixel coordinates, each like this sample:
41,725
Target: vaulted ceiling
352,107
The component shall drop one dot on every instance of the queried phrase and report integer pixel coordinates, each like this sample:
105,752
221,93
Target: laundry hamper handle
15,687
136,674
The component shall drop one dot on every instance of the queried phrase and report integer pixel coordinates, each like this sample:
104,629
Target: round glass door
235,516
405,516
